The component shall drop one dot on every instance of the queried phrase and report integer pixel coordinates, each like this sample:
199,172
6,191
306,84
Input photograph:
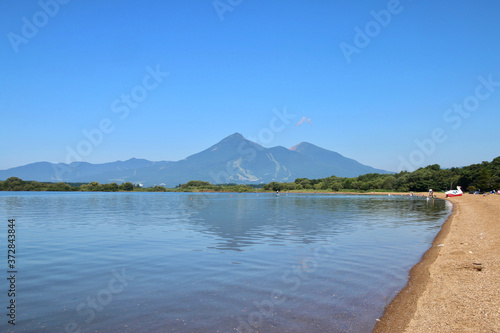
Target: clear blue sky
230,67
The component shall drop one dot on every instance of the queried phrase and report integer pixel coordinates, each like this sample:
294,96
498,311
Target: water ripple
146,262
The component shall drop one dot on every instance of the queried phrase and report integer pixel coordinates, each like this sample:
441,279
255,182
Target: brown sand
446,291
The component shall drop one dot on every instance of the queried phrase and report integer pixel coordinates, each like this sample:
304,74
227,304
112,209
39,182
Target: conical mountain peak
302,146
234,159
234,137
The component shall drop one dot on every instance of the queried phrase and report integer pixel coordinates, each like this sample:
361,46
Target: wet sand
448,291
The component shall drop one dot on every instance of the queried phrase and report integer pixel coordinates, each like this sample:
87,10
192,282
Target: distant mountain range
232,160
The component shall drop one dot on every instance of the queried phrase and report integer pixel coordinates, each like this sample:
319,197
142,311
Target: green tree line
198,185
484,176
17,184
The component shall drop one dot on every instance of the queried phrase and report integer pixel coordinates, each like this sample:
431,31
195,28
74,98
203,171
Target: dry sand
447,292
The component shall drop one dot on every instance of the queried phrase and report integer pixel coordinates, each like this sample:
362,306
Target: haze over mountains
232,160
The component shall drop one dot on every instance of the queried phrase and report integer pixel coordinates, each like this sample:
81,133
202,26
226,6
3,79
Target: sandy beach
456,285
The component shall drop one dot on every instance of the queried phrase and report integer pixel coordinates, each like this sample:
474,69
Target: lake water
185,262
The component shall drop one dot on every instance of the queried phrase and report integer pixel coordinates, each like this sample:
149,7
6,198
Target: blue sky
420,84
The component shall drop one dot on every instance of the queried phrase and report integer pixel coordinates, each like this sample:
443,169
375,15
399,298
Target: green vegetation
484,176
17,184
201,186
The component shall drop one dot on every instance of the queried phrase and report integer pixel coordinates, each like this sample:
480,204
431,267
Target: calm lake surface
185,262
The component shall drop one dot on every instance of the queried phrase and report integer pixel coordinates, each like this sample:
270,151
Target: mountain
232,160
77,171
325,159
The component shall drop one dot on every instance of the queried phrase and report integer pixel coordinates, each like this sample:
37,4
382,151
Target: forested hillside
484,177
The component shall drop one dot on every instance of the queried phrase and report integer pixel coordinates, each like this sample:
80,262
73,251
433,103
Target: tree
336,186
356,185
127,186
13,184
485,179
471,188
112,187
320,186
433,167
304,183
274,186
196,184
347,183
159,189
291,186
389,183
92,186
59,187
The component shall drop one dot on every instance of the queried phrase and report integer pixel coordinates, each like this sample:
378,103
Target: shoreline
446,291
